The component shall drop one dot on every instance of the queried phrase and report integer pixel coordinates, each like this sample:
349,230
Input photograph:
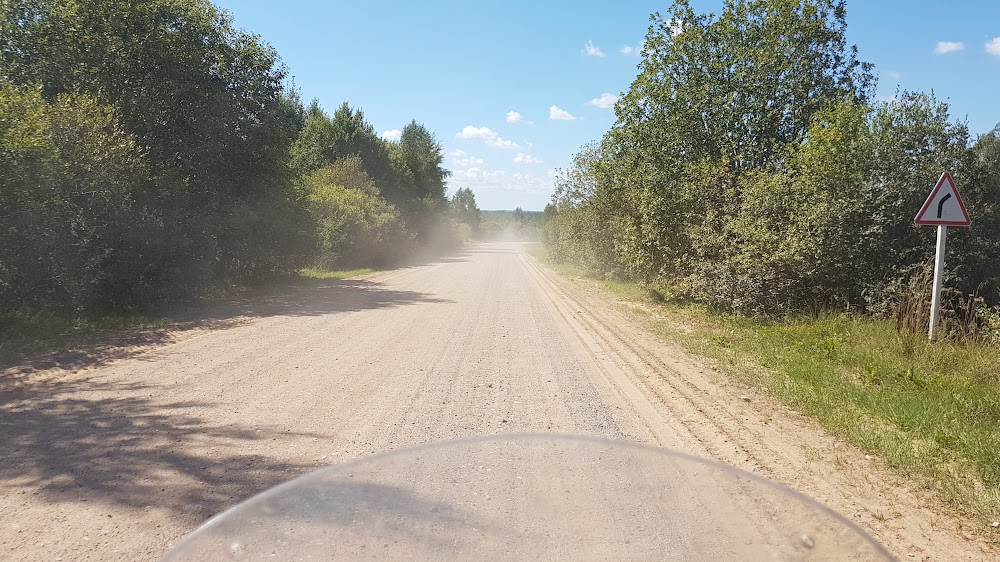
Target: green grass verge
930,410
315,273
24,334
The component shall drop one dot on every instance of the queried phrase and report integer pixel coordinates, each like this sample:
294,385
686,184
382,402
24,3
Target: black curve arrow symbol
941,204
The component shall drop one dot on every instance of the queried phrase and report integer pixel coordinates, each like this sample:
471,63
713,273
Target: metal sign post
942,235
943,208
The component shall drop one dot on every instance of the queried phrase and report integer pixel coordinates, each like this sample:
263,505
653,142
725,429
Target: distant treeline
751,168
512,225
149,151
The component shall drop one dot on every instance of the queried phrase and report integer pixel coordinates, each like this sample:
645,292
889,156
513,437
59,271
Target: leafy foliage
67,181
408,174
465,210
205,105
355,226
748,168
151,151
324,140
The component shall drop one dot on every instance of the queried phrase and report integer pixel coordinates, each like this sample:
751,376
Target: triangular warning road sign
944,206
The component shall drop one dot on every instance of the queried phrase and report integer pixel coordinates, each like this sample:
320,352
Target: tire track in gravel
689,409
703,418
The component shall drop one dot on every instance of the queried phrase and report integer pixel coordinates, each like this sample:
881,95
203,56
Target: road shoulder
707,412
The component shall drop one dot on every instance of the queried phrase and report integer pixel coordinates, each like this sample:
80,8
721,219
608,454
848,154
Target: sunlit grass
930,410
316,273
25,333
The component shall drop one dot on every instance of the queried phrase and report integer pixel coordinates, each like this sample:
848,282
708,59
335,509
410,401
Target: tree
979,248
716,98
355,226
748,168
420,187
325,139
204,100
422,156
314,147
207,107
67,185
550,211
465,210
745,85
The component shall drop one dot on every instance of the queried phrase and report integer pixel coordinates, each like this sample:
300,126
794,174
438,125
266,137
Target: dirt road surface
117,457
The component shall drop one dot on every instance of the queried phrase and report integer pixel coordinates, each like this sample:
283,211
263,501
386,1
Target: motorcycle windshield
529,497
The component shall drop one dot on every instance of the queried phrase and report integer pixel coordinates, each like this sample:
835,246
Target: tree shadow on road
318,297
114,444
306,297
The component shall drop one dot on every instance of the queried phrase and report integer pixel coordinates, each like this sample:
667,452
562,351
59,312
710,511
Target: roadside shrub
67,178
578,229
833,229
273,219
578,235
355,226
991,323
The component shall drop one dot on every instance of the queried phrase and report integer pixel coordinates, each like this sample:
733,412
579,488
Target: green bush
829,226
355,226
68,174
208,199
834,229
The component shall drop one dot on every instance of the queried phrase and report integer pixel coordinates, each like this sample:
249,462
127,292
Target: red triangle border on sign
927,204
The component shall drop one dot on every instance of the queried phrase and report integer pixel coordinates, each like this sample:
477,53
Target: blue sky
462,67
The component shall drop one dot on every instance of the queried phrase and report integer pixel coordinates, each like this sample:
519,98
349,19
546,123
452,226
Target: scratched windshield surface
530,497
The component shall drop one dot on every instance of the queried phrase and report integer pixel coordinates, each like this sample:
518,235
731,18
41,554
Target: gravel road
117,456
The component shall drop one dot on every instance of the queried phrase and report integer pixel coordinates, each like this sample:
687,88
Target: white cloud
502,143
945,47
604,101
470,162
470,132
487,135
526,159
592,50
483,180
513,117
993,46
893,75
557,114
457,153
627,50
394,135
477,173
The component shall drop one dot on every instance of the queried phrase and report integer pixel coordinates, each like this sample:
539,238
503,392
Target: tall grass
964,317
